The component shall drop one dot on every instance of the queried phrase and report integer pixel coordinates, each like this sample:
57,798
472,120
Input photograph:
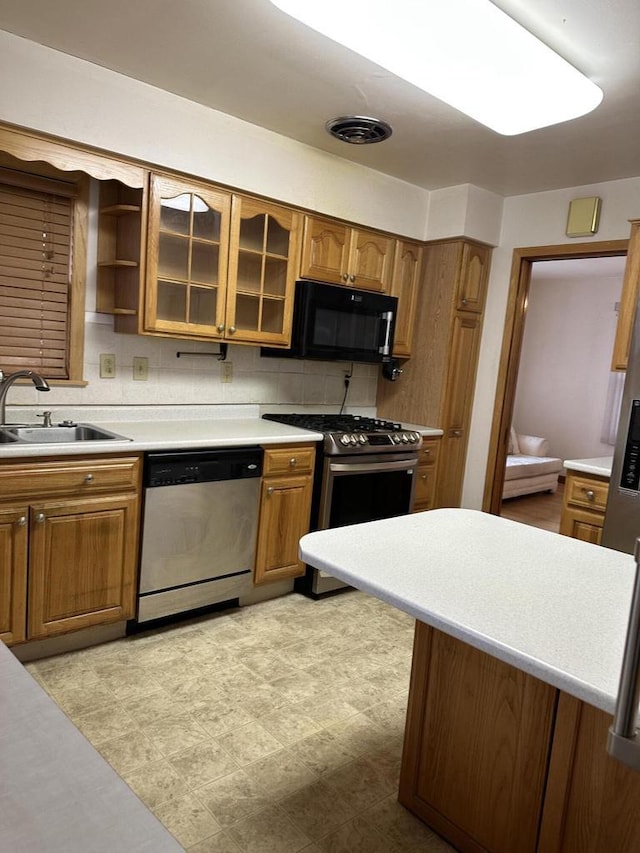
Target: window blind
35,275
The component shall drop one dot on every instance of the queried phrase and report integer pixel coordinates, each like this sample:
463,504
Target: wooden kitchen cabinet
476,746
71,530
426,476
121,253
187,257
496,760
13,573
628,300
591,801
437,386
263,261
285,510
337,253
404,284
216,265
583,506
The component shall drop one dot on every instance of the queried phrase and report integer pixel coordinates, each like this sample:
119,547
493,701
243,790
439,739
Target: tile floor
273,728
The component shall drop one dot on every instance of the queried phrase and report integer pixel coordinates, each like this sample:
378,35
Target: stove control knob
405,438
412,437
344,439
396,438
353,440
362,438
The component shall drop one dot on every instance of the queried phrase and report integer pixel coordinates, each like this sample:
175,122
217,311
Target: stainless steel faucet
7,381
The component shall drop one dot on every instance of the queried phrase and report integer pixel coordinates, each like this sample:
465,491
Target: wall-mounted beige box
583,218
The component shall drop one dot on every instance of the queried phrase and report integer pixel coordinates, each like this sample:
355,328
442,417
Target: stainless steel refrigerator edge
622,517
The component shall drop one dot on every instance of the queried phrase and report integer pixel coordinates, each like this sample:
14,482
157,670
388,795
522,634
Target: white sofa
529,467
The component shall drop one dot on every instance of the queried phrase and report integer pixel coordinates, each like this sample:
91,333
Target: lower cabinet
285,510
68,545
497,761
426,477
583,507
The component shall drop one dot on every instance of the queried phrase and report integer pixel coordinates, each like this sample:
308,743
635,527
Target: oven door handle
363,468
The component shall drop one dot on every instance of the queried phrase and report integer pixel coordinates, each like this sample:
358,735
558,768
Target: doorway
519,293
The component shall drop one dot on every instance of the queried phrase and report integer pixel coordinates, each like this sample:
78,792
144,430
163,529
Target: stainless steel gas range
366,471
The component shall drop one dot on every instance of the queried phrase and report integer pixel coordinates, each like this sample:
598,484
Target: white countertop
57,794
180,434
552,606
172,435
601,465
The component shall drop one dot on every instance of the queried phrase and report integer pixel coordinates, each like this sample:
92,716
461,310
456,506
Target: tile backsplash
197,379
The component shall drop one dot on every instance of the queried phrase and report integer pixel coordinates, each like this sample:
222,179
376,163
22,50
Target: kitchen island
519,640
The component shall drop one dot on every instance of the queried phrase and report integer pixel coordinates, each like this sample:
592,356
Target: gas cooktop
353,433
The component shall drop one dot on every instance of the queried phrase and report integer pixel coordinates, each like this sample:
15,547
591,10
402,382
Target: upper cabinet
263,259
628,300
188,244
339,254
192,260
404,285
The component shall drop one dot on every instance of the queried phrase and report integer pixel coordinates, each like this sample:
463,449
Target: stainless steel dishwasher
199,529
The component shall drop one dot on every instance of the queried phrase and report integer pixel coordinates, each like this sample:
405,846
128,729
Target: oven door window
368,497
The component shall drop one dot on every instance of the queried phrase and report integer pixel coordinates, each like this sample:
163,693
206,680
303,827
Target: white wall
49,91
58,94
565,364
537,219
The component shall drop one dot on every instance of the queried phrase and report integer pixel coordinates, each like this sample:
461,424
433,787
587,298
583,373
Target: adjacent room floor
276,727
539,510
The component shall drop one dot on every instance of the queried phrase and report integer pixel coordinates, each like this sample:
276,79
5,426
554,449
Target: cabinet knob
456,433
427,451
345,277
424,476
590,494
270,490
220,327
232,330
88,478
464,301
293,462
40,517
22,521
352,277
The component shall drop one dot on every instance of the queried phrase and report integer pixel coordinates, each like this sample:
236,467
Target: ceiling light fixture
467,53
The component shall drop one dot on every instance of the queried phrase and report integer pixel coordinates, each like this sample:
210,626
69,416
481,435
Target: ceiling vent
359,130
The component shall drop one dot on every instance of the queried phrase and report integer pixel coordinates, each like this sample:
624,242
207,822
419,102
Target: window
42,272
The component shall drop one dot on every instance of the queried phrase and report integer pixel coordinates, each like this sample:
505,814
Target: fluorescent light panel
467,53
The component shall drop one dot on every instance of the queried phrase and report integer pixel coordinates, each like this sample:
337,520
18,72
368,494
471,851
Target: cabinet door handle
456,433
345,277
591,495
88,478
293,462
40,517
352,277
464,301
220,327
424,476
22,521
232,330
426,451
270,490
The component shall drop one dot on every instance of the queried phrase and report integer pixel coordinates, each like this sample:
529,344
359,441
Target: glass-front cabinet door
187,258
263,261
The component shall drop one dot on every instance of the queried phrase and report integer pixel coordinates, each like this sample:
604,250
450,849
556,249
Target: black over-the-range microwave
340,323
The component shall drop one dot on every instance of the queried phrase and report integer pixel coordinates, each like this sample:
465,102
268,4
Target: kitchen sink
62,434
